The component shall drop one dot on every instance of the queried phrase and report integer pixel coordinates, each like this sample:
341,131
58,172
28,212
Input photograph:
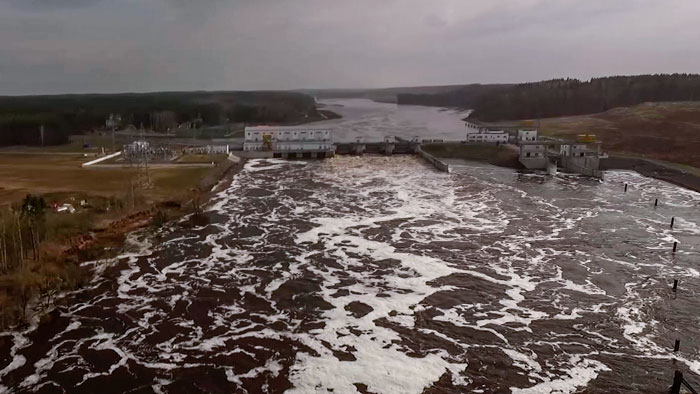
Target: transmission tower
144,174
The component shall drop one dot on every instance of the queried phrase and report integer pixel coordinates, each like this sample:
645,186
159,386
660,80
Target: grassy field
194,158
42,173
77,144
39,265
662,131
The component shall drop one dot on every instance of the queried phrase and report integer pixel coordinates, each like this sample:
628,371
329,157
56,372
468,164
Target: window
527,154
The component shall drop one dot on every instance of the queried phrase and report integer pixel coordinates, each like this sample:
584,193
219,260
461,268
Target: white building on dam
289,141
480,134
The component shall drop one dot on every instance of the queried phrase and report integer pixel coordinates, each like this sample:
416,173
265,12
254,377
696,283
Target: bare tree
3,242
19,236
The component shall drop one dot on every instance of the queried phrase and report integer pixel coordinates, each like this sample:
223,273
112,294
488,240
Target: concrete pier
439,164
388,149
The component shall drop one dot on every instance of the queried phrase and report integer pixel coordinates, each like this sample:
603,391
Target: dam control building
579,157
479,134
289,141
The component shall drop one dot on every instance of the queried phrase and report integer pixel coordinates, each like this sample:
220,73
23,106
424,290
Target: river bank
31,281
680,177
687,177
500,156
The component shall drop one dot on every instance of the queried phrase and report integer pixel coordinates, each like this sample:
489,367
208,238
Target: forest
22,117
463,97
562,97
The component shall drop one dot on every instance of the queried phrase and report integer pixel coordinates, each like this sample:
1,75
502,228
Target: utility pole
41,134
112,123
148,173
144,160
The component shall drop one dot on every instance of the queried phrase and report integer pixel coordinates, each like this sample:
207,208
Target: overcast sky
59,46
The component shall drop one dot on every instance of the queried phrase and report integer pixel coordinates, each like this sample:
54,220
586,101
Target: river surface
382,275
373,121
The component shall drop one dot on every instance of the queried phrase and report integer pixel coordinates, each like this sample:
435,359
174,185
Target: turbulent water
382,275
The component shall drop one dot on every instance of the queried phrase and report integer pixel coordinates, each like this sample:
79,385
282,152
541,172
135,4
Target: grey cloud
435,20
43,5
263,44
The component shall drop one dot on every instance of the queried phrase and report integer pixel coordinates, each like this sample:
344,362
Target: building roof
551,143
286,128
548,143
487,131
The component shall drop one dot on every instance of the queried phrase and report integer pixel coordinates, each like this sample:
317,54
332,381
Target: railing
679,382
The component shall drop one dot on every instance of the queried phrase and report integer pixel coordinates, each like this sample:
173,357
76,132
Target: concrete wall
592,162
440,165
535,163
533,156
302,146
255,154
574,164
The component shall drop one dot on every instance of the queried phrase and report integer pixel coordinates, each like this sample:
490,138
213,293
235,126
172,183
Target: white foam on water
19,341
527,363
272,366
452,316
376,356
395,233
584,370
375,350
686,226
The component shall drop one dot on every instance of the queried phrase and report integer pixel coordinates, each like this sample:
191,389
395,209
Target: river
383,275
373,121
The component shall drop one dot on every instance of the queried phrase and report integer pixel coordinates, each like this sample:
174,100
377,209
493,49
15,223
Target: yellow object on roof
586,138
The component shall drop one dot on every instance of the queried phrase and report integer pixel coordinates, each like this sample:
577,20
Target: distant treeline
384,95
22,117
463,97
563,97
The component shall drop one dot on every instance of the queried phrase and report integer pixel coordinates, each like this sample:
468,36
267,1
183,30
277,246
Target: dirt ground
661,131
201,158
50,173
